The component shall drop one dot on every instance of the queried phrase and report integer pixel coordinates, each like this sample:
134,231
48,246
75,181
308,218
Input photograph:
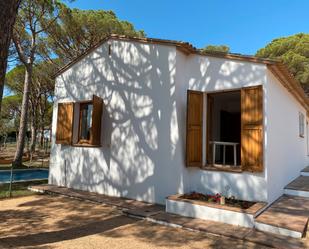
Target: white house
148,118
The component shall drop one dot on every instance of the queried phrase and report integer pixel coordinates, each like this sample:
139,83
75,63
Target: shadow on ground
45,222
67,234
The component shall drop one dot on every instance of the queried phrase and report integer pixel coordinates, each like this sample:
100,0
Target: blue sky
6,91
244,25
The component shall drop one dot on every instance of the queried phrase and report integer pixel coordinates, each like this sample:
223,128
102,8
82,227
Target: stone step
298,187
305,171
286,216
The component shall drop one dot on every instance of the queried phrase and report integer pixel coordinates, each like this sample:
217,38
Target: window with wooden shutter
301,120
252,129
209,154
194,142
85,122
64,123
90,116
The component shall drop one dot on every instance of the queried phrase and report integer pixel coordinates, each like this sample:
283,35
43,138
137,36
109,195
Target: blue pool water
23,175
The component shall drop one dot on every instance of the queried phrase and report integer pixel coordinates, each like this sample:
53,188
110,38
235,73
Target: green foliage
77,30
41,92
216,49
19,188
42,81
34,17
14,79
294,52
11,106
48,34
10,113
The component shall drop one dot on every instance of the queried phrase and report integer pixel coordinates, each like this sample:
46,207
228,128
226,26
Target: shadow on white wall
144,121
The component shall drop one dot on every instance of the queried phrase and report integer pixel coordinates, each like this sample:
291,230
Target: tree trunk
41,114
11,182
42,136
16,135
4,141
23,118
8,11
33,137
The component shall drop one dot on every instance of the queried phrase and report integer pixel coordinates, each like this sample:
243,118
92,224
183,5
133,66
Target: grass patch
40,158
26,165
8,167
18,188
38,163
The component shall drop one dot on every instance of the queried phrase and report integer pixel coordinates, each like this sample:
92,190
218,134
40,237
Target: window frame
301,125
307,136
259,167
79,140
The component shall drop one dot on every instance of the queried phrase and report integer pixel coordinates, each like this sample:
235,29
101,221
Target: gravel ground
44,222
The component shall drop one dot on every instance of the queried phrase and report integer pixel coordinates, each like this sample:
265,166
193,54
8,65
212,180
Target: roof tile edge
275,66
185,47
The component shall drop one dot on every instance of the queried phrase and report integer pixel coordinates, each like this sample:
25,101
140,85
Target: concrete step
298,187
286,216
305,171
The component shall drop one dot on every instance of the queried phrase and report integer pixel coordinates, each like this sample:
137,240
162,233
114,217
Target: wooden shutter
194,155
64,123
252,129
209,148
96,120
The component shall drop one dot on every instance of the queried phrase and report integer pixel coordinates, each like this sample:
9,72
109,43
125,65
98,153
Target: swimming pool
23,175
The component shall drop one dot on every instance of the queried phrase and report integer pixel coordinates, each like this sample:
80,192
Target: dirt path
43,221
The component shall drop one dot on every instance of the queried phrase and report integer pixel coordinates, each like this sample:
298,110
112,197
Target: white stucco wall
286,151
142,154
209,74
144,87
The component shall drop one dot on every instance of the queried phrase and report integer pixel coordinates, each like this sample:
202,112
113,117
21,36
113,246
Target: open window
89,126
224,128
79,124
234,130
85,122
301,118
307,132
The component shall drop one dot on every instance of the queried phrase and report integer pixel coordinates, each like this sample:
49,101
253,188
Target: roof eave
282,73
184,47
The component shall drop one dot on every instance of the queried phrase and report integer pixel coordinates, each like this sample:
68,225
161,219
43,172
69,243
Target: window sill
62,143
225,168
86,145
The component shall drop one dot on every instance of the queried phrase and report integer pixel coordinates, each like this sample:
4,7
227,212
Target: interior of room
224,128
